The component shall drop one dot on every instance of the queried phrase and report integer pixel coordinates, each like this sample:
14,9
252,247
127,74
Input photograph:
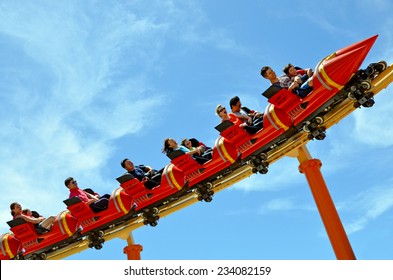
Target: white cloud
280,204
372,128
79,84
368,206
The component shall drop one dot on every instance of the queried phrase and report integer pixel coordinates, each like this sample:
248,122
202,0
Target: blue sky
84,84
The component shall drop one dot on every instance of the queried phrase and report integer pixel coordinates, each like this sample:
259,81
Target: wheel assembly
150,216
258,163
315,129
96,239
205,192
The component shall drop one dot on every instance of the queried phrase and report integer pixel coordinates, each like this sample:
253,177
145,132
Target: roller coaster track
287,148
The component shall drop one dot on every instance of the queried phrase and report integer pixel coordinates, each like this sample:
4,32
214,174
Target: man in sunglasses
221,111
96,202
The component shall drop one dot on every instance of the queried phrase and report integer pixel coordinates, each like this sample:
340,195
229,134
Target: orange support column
334,228
133,251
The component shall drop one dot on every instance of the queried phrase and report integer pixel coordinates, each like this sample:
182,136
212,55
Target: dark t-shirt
139,172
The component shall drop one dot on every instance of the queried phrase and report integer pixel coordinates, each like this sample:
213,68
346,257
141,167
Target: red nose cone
367,43
334,72
340,68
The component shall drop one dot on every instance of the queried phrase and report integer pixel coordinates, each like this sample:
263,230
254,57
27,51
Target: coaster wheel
320,136
263,156
382,65
369,103
263,171
369,95
319,120
351,96
153,224
365,85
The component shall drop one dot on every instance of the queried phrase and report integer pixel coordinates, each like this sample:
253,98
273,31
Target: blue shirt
138,172
183,149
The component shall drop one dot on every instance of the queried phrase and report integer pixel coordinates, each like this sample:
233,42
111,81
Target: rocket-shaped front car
334,71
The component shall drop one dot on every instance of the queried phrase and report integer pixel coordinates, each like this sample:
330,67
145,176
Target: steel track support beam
338,238
132,250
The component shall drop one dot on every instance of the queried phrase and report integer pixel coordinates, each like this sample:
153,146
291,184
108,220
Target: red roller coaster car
223,155
172,182
65,230
94,224
10,247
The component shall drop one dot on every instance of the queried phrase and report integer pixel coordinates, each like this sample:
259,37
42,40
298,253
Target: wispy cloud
368,206
280,204
370,127
75,78
74,81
